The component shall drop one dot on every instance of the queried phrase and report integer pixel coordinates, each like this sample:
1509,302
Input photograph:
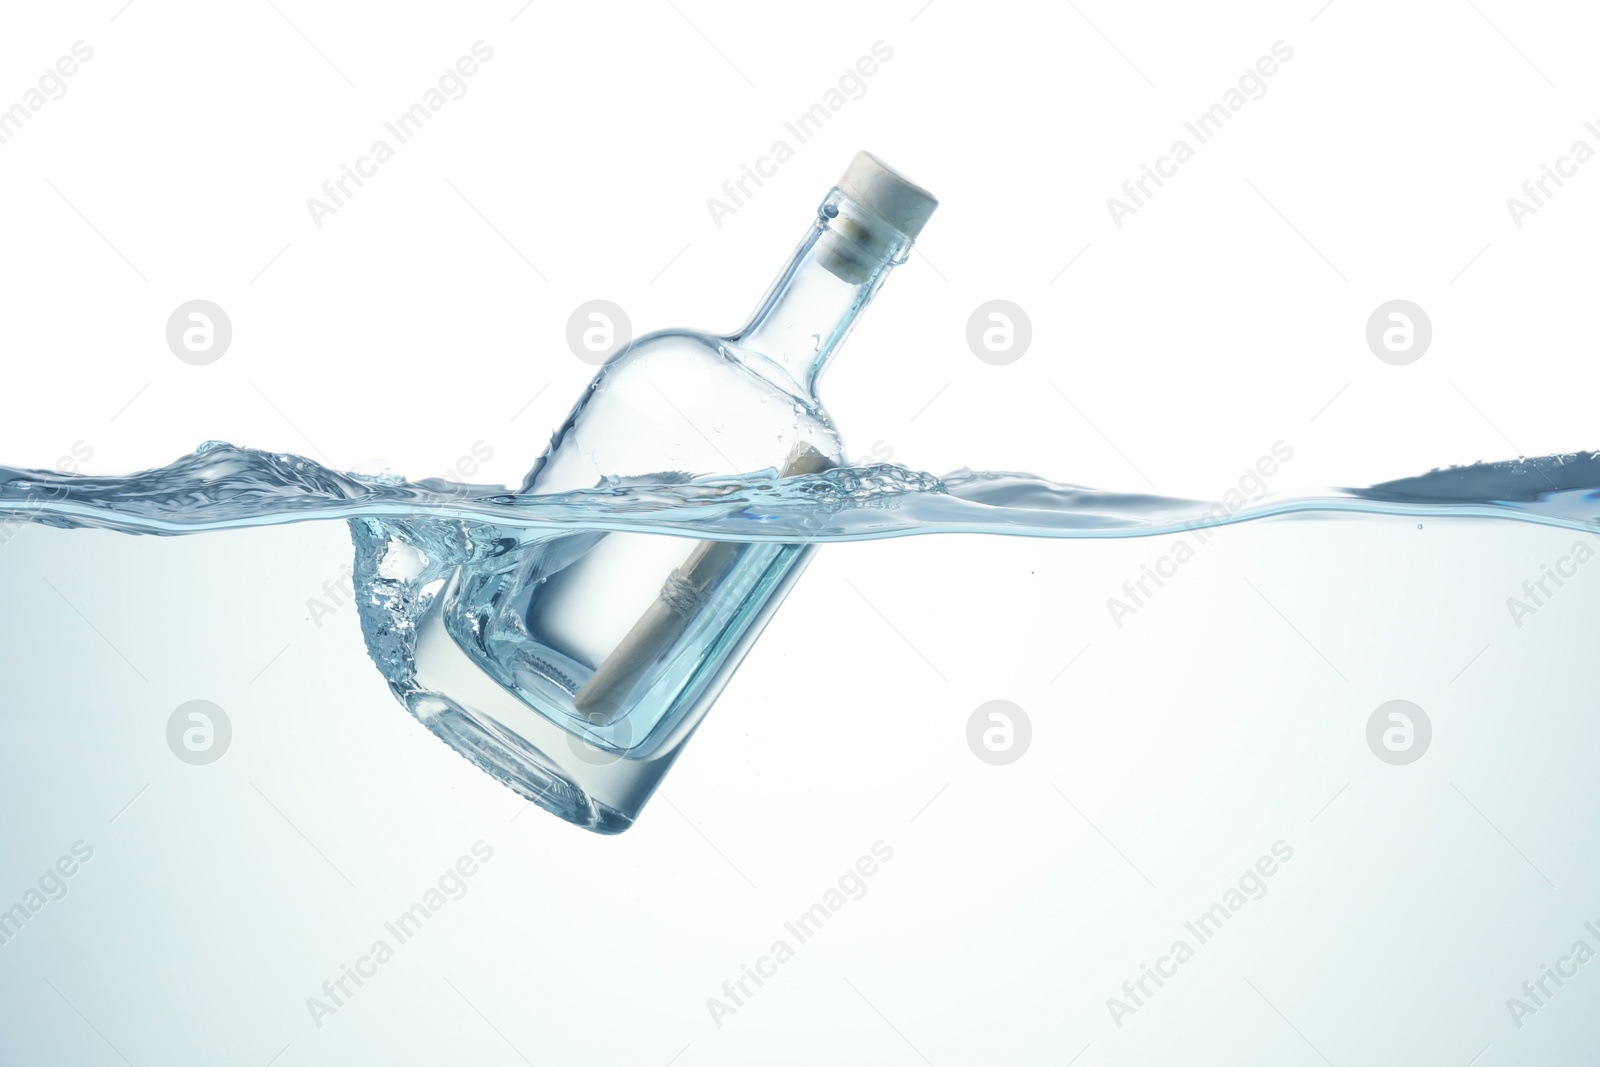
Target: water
1194,734
581,703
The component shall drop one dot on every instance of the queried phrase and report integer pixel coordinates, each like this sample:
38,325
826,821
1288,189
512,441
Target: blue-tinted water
220,486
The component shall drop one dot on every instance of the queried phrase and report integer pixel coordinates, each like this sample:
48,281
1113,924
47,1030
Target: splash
220,486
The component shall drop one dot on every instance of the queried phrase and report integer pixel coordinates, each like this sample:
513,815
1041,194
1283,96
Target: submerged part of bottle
577,665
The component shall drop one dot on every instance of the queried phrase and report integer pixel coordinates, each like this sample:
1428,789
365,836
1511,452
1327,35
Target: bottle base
516,764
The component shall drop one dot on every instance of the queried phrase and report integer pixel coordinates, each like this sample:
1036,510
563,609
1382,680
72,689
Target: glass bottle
575,667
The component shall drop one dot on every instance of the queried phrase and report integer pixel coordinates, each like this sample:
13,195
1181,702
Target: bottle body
546,621
574,666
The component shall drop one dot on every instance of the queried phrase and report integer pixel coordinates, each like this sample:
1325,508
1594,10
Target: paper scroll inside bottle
683,595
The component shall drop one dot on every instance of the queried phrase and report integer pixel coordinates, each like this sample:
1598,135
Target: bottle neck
834,273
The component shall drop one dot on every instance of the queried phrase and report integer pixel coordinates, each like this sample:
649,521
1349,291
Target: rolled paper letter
683,594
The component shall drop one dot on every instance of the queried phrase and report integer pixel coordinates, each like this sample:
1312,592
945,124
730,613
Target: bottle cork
898,200
895,210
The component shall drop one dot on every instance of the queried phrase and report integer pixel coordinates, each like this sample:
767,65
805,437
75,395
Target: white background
428,314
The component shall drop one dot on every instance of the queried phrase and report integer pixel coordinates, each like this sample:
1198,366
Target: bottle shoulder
679,404
699,355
